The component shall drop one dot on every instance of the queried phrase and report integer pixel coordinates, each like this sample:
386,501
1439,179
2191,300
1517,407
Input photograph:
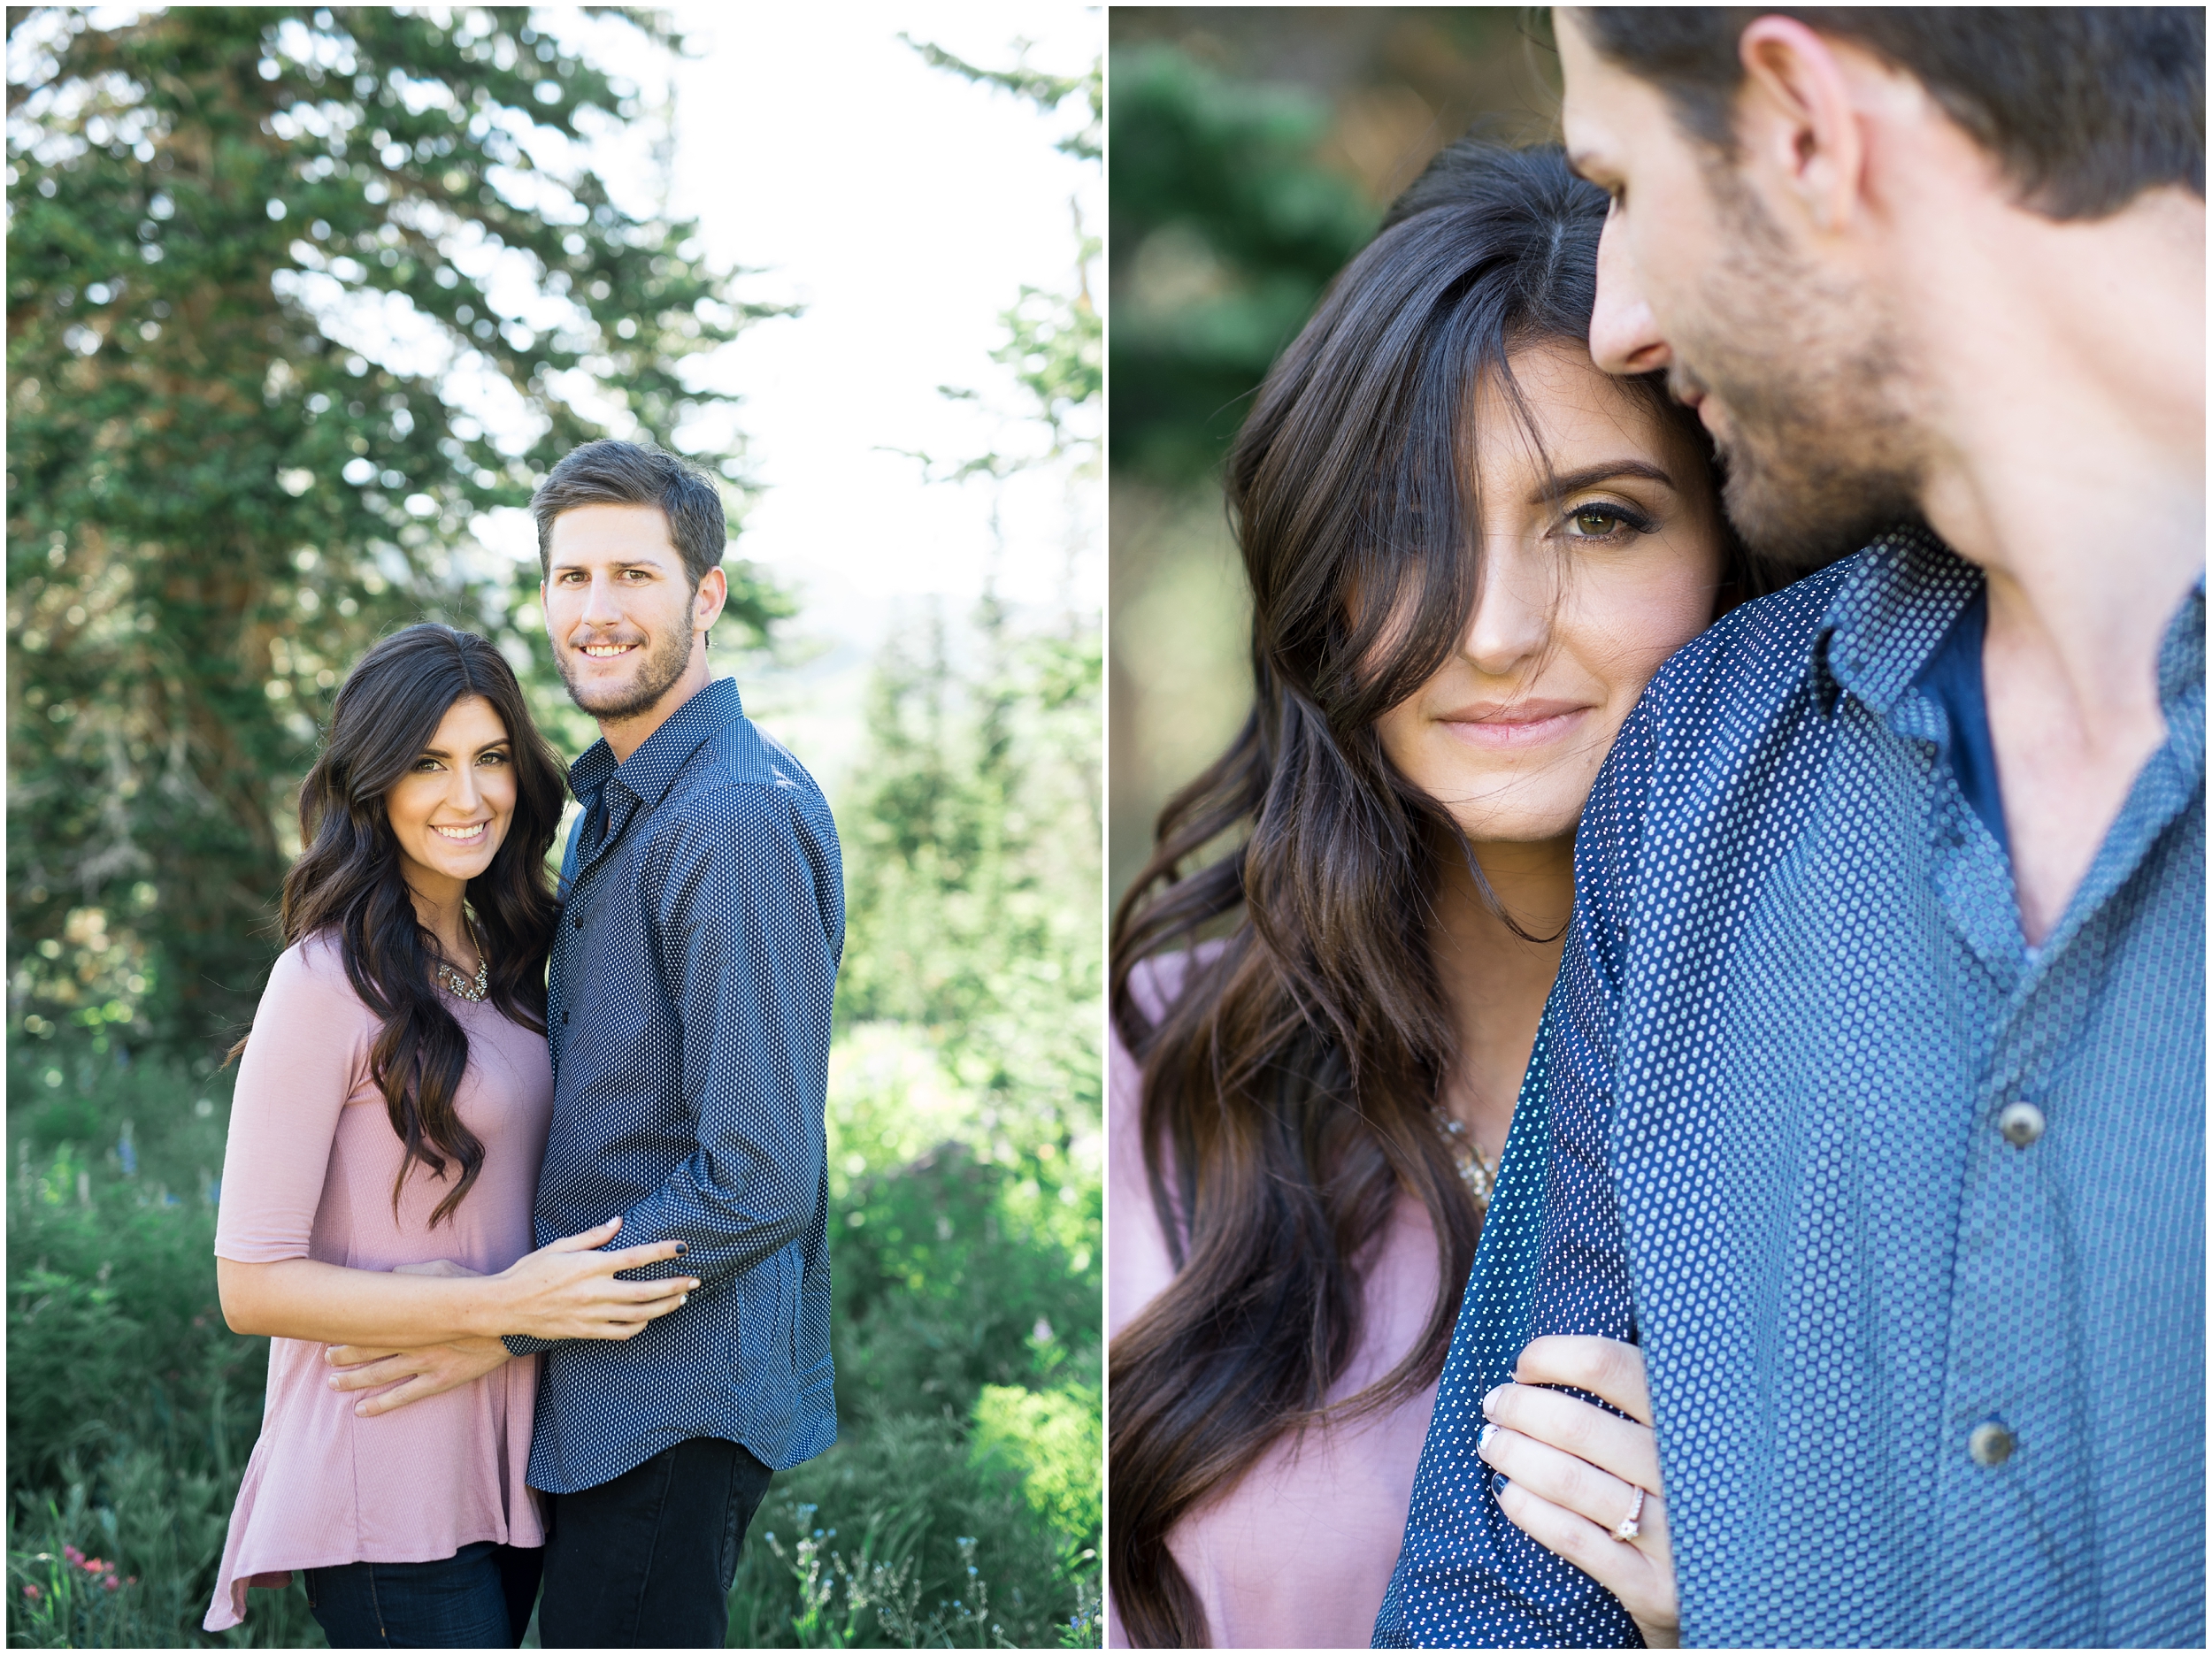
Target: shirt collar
2181,654
656,762
1887,618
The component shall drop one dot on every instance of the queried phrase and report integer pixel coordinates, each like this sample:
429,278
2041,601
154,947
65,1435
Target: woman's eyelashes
1606,521
492,758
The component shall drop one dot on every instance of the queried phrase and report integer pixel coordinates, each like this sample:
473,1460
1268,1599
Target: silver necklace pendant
1481,1176
460,987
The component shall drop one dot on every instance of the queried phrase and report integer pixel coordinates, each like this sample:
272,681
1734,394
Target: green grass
960,1506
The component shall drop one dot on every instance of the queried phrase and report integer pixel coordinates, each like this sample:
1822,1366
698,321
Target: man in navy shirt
1860,1165
688,1005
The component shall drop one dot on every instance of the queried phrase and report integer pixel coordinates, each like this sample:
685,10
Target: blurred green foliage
1224,228
252,252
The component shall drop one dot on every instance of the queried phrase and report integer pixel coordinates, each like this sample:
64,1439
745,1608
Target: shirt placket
2012,1480
2013,1556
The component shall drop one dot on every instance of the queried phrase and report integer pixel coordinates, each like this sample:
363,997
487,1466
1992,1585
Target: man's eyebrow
1589,476
642,560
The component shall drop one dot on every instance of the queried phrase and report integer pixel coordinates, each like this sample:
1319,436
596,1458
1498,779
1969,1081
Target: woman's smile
1516,726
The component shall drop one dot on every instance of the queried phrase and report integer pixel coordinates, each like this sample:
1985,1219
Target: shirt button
1989,1444
577,921
564,1019
2021,1123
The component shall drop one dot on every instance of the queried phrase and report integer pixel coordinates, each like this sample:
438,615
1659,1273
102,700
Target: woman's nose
1514,603
464,793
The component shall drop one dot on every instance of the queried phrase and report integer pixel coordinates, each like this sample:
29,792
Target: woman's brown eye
1596,523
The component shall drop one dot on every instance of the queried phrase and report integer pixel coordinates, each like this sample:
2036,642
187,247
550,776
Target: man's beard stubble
663,665
1819,455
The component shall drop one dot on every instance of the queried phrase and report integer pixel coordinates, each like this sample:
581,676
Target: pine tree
221,487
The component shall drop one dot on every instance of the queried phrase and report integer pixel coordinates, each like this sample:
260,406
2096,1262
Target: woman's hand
1574,1471
568,1290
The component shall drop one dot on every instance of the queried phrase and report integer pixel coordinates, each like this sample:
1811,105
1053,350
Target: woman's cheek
1634,623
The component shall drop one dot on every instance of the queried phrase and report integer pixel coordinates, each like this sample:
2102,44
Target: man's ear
706,603
1799,119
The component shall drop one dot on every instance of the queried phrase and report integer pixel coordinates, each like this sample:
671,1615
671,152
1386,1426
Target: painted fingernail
1492,1396
1482,1441
683,1299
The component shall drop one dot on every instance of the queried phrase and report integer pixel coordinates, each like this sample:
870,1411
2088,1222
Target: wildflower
32,1593
112,1583
73,1557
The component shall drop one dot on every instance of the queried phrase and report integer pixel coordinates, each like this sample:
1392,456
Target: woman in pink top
1469,551
390,1115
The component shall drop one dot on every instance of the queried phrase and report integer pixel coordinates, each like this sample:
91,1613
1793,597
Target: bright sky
904,208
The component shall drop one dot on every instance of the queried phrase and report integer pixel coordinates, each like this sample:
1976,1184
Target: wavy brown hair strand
1290,1084
348,882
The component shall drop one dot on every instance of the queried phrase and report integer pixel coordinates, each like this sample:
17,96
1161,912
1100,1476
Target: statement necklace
460,987
1481,1176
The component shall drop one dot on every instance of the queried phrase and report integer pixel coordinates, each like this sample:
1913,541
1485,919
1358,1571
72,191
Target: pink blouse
308,1174
1296,1553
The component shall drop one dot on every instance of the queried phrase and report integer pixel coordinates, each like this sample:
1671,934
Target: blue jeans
478,1598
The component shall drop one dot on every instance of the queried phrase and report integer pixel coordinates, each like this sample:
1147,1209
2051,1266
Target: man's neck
2061,379
625,736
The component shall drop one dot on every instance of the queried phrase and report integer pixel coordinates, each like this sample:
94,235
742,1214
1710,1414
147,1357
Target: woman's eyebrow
439,753
1572,482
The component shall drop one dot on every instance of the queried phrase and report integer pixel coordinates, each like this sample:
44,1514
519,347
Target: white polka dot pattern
1760,1135
691,992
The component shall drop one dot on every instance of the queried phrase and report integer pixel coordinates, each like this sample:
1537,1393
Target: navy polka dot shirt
1907,1217
701,921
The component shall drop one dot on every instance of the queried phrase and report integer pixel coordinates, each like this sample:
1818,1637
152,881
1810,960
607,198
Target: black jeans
477,1598
645,1561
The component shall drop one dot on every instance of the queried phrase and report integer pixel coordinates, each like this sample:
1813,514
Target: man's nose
600,607
1623,336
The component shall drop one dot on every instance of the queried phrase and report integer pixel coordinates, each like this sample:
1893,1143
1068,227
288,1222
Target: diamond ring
1629,1525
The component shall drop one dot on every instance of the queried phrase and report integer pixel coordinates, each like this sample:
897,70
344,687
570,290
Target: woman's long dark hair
1289,1087
348,882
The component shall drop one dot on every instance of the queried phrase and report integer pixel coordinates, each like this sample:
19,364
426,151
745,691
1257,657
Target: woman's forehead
1562,413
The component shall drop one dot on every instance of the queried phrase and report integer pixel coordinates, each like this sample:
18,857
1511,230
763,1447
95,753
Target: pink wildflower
32,1593
73,1555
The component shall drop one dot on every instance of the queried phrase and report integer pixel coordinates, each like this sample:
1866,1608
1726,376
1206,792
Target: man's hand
414,1375
1574,1471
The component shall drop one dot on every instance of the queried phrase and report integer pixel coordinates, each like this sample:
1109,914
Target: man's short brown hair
2084,107
614,473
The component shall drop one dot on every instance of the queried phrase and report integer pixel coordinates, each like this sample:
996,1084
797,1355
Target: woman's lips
1517,726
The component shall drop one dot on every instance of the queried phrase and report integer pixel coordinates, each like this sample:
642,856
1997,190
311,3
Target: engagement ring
1630,1527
